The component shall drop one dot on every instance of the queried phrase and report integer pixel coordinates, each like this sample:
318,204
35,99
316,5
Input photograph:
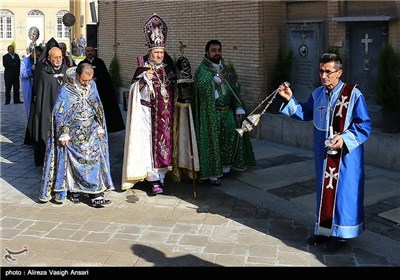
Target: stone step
381,149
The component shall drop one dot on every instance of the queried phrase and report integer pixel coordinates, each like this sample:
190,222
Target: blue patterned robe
348,219
83,164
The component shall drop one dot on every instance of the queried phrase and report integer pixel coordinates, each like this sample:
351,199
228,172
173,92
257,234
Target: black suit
12,67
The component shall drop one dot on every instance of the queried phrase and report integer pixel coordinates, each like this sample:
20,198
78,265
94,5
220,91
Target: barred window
6,25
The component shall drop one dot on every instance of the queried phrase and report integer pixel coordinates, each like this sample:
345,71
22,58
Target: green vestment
219,144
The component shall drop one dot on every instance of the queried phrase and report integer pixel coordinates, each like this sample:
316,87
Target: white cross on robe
342,104
331,176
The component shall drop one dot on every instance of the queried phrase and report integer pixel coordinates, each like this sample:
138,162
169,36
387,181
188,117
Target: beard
216,59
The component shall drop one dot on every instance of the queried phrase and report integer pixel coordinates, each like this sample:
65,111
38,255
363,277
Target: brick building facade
251,32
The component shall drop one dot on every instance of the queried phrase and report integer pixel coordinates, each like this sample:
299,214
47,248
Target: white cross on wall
20,27
50,27
366,41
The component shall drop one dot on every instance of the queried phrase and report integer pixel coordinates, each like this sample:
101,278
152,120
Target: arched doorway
35,18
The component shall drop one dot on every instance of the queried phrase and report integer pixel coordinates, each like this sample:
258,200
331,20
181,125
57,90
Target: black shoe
18,102
334,244
75,198
214,182
6,103
100,202
317,239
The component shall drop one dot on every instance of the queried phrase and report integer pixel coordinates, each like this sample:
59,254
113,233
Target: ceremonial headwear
49,45
71,73
155,32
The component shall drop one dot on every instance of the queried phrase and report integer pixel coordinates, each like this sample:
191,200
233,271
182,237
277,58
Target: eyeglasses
327,72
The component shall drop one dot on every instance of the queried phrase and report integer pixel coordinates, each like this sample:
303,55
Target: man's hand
239,117
101,132
285,92
337,142
63,142
150,73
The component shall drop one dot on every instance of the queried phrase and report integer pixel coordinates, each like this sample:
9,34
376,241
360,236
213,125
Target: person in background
341,126
74,47
66,58
217,112
77,155
28,65
148,145
12,68
81,42
108,97
49,77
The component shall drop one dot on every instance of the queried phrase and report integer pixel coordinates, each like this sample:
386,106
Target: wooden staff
192,155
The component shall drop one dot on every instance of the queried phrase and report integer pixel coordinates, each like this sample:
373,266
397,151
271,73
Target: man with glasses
341,126
49,77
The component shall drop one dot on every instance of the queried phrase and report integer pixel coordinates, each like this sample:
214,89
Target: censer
252,120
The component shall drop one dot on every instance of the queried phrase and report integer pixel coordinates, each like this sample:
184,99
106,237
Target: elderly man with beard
149,128
217,112
77,156
49,77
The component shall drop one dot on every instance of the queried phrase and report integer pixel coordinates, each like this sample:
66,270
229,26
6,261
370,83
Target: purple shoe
156,189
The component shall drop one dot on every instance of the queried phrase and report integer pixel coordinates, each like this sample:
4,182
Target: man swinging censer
252,120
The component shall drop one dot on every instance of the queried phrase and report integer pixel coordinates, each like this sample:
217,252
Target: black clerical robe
107,94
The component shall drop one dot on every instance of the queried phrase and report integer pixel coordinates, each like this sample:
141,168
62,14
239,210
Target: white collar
216,66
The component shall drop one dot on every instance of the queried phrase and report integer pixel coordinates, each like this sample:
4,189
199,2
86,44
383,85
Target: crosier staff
33,35
185,85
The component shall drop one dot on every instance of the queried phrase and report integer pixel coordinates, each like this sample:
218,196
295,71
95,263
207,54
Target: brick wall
252,47
394,28
299,10
251,32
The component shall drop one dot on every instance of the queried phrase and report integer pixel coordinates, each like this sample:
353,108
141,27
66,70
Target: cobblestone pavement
259,218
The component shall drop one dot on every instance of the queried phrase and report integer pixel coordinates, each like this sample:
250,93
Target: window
6,25
35,13
35,18
62,30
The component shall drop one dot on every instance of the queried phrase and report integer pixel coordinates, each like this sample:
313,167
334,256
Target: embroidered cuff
64,137
217,79
240,111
